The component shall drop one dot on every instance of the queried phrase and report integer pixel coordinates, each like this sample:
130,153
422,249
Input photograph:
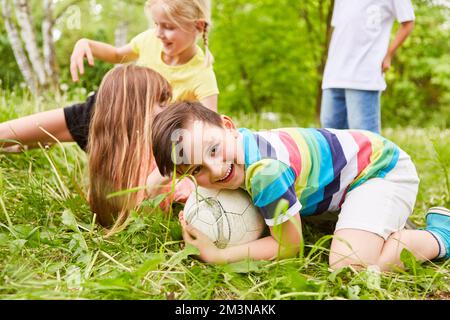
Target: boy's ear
227,122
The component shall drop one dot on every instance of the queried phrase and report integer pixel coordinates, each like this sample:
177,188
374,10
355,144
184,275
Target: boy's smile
213,155
229,174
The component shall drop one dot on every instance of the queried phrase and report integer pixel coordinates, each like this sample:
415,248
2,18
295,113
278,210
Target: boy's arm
94,49
284,242
403,32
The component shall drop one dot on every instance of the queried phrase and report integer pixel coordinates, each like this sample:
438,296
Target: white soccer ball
227,217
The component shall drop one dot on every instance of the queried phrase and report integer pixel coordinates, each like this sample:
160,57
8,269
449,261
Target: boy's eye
214,150
196,170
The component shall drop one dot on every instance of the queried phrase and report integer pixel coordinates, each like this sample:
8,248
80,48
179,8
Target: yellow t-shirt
190,81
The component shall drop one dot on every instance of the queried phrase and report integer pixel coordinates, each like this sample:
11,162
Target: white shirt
360,42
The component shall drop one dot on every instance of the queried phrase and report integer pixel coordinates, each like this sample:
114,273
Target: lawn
51,249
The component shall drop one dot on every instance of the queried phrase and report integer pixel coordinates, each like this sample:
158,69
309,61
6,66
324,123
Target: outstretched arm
403,32
284,242
94,49
34,129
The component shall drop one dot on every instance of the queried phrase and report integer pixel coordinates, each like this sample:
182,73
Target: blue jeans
351,109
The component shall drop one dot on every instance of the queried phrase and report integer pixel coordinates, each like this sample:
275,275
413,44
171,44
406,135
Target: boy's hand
386,65
208,251
80,51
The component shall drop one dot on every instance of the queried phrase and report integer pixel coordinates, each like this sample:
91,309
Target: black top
78,117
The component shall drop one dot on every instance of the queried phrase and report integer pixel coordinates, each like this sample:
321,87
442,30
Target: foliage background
269,57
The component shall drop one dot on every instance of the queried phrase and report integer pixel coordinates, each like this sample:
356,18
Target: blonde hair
119,143
184,12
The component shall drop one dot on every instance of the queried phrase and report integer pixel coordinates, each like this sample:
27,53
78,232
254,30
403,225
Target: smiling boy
367,177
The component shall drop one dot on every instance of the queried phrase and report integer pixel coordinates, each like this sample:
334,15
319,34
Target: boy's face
213,155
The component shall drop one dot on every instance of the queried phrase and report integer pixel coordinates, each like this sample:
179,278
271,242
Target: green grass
51,249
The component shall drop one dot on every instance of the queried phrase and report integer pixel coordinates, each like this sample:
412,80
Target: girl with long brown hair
119,143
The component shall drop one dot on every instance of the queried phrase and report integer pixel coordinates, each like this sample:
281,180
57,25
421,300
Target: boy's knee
385,261
337,262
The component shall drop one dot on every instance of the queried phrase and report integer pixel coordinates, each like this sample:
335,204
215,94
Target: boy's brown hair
172,119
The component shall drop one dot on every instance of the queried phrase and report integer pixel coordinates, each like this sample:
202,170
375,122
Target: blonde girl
169,48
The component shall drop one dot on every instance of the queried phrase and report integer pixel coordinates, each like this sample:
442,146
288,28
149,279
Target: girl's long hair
119,143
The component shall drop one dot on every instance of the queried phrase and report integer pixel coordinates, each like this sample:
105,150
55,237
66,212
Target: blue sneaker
438,224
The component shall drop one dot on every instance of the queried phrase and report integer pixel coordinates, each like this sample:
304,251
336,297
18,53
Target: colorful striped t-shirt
312,169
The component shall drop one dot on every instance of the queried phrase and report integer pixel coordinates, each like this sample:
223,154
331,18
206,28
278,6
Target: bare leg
421,243
355,247
362,248
30,130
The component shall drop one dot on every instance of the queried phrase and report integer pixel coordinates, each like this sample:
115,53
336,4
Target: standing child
367,177
170,49
357,59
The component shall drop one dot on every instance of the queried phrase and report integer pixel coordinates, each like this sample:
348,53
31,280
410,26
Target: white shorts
382,205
